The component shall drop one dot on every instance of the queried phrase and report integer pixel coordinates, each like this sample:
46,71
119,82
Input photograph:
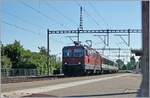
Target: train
83,60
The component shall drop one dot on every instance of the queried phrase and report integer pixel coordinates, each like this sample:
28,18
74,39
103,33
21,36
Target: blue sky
64,15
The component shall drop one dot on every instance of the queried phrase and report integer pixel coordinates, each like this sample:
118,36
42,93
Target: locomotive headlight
65,62
79,62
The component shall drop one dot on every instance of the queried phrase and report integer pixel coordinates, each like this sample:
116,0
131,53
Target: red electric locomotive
80,60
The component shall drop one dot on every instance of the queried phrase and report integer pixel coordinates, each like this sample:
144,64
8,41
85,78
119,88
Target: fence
19,72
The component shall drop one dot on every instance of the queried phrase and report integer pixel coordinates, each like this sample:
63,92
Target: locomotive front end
73,60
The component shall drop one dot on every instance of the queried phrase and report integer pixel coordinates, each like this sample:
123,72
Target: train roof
83,46
72,46
89,48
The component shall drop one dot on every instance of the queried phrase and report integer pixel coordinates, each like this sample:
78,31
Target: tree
120,63
43,50
55,64
124,67
2,49
13,51
133,62
5,62
129,66
26,60
15,55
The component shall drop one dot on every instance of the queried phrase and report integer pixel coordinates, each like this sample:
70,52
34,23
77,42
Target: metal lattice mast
81,19
80,25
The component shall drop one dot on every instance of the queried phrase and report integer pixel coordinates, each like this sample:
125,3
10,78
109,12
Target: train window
67,53
78,52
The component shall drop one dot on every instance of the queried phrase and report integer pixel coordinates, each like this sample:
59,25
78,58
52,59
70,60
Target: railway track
17,79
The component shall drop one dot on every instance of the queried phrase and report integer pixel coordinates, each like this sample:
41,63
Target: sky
28,20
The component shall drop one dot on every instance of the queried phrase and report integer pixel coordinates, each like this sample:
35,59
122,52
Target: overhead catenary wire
27,30
60,41
24,20
50,18
19,27
77,3
98,13
60,13
42,14
86,12
91,17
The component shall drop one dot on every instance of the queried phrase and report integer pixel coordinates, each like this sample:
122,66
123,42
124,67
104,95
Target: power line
87,13
18,27
98,13
59,41
91,17
59,12
77,3
27,30
39,12
23,20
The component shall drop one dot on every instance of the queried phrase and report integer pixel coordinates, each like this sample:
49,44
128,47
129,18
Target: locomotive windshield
67,53
78,52
73,53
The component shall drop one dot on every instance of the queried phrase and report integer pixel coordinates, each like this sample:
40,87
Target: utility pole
48,51
80,25
128,37
107,39
104,44
78,35
81,19
119,54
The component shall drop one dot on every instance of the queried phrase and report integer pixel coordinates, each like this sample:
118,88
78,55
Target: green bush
15,56
5,62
